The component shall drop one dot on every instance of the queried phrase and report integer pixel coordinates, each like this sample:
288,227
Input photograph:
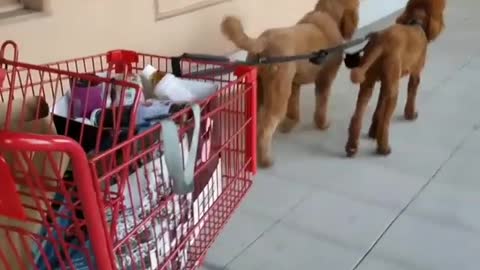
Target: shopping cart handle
177,67
205,57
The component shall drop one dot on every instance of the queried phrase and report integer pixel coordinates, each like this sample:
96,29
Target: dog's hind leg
383,129
364,96
390,85
410,112
293,111
276,93
372,131
323,87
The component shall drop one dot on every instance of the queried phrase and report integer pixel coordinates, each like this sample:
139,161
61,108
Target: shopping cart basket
78,195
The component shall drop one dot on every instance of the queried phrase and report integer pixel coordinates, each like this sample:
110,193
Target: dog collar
416,22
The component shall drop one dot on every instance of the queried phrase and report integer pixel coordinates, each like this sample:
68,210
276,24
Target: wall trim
162,14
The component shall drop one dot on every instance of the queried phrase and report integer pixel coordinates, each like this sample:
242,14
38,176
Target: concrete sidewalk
414,210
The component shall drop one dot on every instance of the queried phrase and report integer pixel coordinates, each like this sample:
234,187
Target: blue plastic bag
55,256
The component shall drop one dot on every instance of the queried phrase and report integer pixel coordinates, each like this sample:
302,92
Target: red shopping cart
83,195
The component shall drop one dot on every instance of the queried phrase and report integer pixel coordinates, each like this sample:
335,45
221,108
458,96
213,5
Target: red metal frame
16,142
107,180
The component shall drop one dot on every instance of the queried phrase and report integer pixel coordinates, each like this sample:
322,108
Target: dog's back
313,32
420,23
404,42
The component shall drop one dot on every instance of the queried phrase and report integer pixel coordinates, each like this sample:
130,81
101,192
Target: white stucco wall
370,11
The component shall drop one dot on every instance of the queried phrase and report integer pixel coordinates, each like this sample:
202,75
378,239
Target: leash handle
205,57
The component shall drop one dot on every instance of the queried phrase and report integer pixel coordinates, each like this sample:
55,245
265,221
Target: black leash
228,66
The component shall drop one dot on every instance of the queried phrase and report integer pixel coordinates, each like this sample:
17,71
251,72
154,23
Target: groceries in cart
160,95
85,103
161,235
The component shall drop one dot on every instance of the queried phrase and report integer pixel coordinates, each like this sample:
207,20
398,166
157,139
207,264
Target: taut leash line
316,58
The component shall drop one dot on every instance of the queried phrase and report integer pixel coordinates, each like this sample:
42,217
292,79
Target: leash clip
319,57
262,60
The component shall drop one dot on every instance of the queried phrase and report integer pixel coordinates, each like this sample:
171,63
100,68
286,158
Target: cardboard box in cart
169,230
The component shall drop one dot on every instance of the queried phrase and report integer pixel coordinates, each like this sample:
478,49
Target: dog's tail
232,28
373,51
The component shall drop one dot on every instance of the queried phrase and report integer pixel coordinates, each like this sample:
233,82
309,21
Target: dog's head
428,12
344,12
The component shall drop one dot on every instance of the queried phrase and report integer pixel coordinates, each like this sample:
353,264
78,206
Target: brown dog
327,26
391,54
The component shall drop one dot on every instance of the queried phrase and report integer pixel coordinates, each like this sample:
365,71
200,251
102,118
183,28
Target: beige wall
82,27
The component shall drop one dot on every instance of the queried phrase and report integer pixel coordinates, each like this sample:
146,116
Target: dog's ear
435,26
349,23
428,11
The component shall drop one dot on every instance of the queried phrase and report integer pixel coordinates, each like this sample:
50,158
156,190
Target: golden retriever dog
397,51
328,25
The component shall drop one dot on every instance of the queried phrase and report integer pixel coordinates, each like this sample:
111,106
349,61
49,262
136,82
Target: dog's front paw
287,125
264,156
384,150
321,123
351,149
411,116
265,162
